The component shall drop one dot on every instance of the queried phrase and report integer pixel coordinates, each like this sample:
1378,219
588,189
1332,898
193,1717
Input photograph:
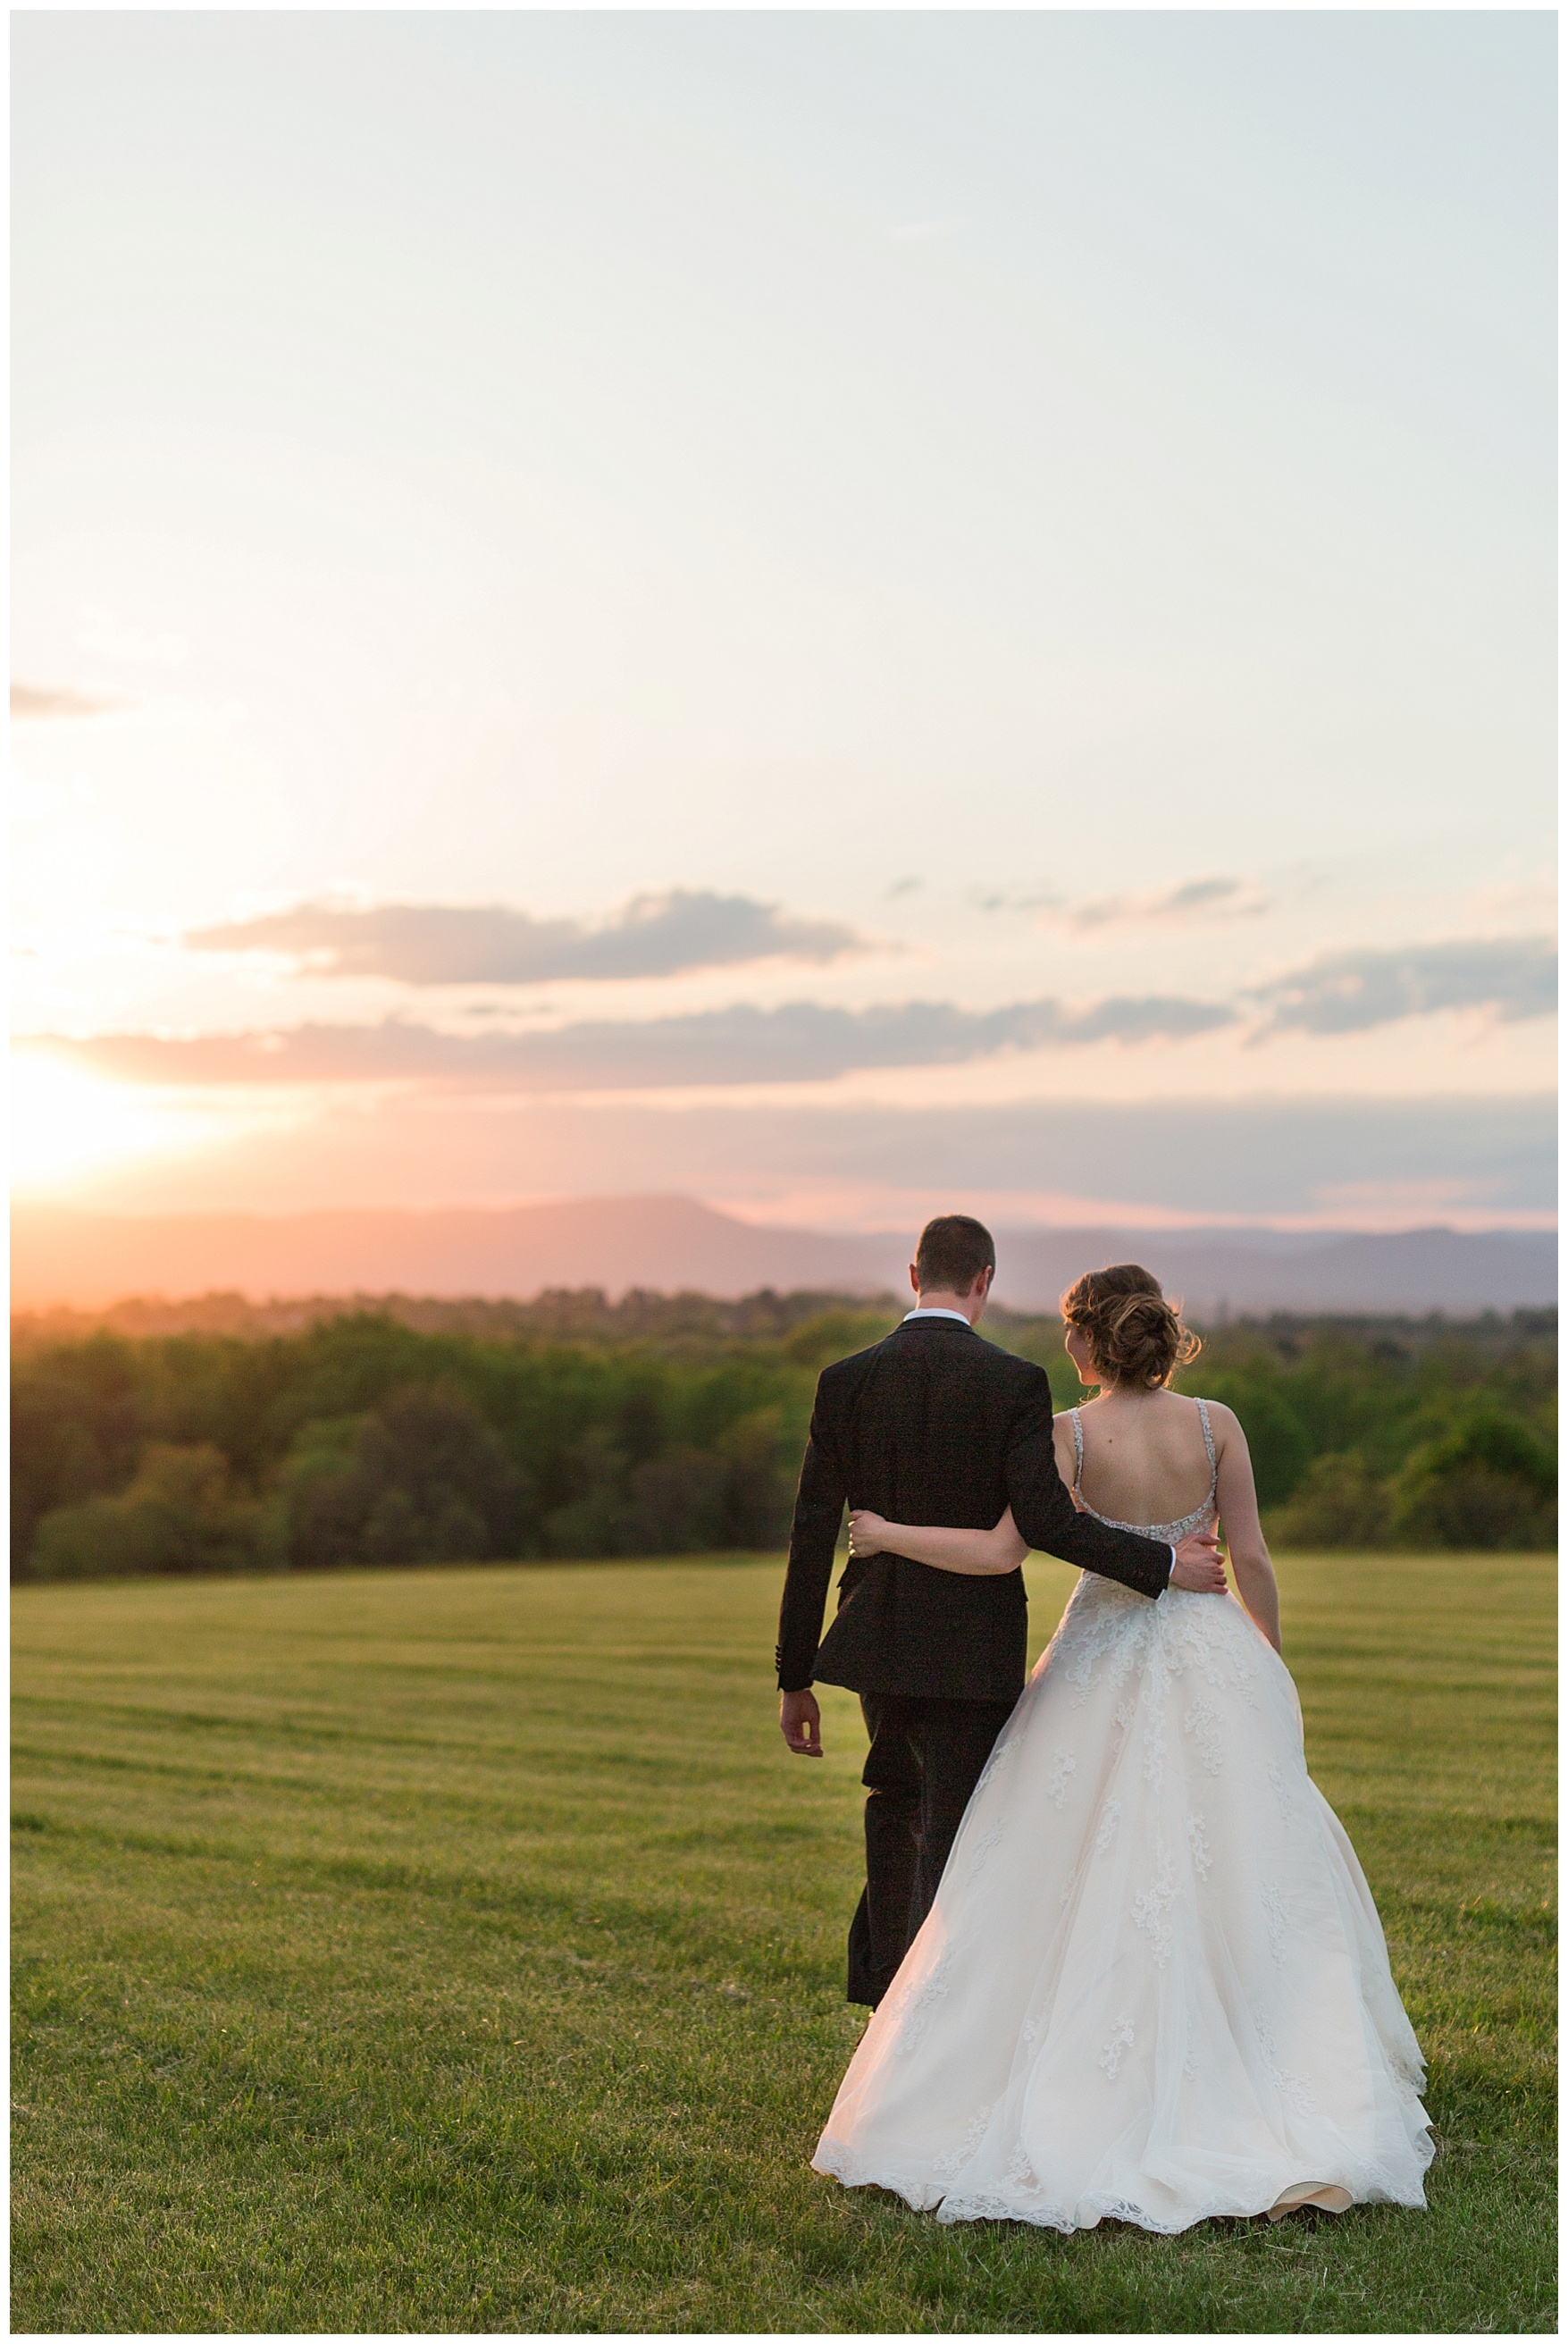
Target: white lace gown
1154,1986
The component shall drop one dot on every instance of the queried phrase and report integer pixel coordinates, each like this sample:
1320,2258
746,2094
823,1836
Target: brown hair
952,1254
1134,1335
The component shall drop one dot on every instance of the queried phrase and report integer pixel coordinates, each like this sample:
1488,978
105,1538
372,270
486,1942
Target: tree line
426,1432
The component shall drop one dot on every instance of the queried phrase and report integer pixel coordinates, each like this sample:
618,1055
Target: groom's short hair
952,1254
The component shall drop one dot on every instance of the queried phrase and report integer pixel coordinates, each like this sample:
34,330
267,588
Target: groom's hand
801,1722
1198,1569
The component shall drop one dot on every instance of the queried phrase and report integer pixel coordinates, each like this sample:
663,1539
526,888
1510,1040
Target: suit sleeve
813,1538
1046,1516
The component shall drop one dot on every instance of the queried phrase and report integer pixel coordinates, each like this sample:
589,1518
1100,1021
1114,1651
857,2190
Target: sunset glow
66,1126
644,632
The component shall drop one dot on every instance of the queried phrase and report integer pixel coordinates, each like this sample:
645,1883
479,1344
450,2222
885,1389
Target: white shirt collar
919,1312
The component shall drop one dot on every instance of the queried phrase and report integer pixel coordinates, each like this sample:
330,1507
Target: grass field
462,1950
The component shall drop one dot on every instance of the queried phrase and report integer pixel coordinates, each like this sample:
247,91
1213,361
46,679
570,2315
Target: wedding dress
1154,1986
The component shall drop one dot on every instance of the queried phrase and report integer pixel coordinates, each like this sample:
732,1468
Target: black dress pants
925,1759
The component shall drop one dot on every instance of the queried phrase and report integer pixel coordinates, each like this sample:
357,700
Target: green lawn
462,1950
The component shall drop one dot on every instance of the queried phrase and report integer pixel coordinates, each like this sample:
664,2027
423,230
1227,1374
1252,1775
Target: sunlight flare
66,1127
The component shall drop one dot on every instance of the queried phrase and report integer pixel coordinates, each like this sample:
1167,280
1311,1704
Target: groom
933,1425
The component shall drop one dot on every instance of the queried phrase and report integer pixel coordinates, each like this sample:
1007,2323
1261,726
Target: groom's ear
915,1280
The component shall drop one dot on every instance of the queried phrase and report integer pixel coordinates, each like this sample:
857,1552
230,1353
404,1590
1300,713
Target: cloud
492,944
809,1041
34,701
801,1042
1158,1018
1193,901
1510,977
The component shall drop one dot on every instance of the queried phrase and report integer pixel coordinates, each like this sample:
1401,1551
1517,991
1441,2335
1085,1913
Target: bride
1154,1986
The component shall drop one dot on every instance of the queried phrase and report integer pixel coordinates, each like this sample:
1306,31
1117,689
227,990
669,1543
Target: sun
64,1126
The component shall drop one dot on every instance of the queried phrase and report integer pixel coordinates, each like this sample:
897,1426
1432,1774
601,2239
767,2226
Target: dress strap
1208,1442
1077,1446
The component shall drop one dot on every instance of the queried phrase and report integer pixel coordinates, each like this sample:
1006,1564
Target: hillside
671,1244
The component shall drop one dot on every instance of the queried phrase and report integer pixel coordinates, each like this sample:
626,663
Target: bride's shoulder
1222,1418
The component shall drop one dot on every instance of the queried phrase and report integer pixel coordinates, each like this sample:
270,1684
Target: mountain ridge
62,1255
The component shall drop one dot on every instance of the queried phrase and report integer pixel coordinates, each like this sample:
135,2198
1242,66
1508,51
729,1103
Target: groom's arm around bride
936,1425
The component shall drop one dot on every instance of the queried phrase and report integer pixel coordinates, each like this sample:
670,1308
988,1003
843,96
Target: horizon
66,1258
1154,1223
839,616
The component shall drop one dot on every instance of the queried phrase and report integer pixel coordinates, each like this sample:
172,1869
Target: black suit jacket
933,1425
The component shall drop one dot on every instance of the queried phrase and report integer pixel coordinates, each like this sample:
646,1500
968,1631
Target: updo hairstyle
1134,1335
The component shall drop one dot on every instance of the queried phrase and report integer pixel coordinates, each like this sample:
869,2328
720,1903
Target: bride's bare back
1145,1460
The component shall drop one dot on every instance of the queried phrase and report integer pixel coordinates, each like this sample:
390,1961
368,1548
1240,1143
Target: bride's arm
1238,1502
976,1554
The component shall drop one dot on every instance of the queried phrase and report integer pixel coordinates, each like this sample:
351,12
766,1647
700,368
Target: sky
838,613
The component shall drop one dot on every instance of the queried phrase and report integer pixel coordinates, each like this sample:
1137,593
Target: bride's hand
867,1533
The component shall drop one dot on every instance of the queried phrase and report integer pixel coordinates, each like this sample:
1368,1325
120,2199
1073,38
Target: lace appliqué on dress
917,2013
1203,1723
1152,1909
995,1762
1277,1921
954,2159
1293,2089
1121,2041
983,1848
1107,1630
